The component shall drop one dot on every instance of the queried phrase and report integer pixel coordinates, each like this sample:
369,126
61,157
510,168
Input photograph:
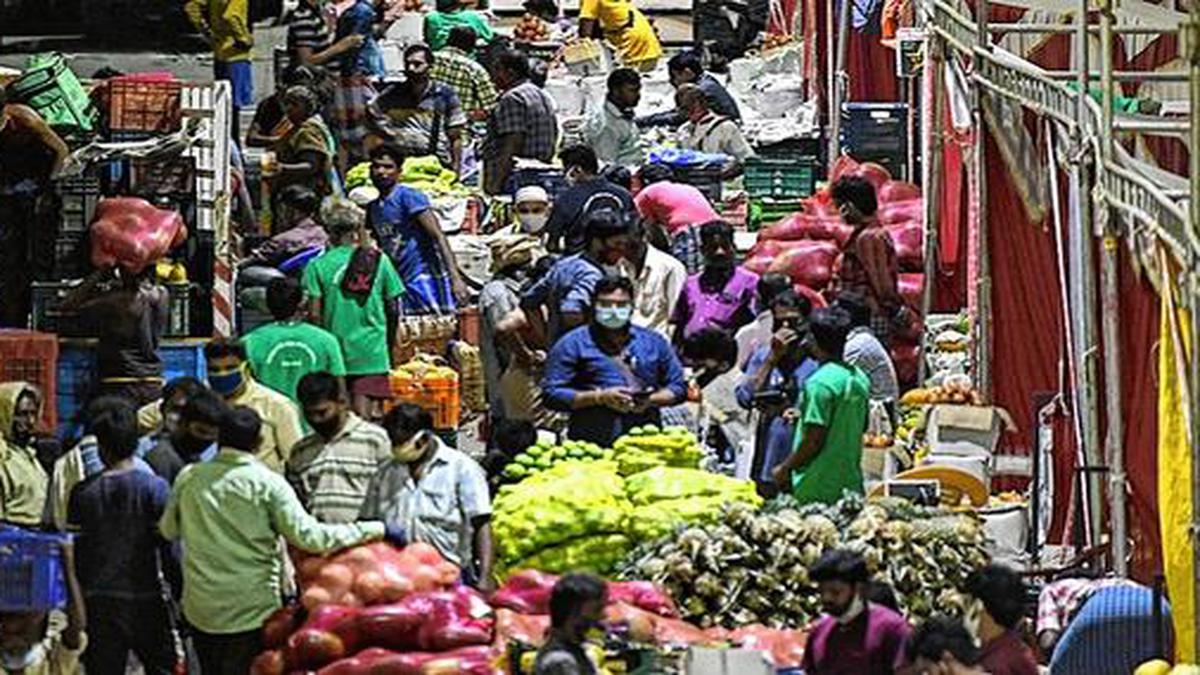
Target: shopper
865,351
564,295
610,129
531,206
305,154
455,66
451,14
706,131
609,375
625,28
674,212
943,645
31,154
722,295
118,553
576,607
193,439
331,468
999,596
309,42
659,280
759,331
867,265
229,514
406,228
30,643
773,378
354,292
523,123
854,635
588,193
23,481
229,376
436,493
358,69
512,261
226,26
284,351
686,68
296,229
827,458
420,116
130,311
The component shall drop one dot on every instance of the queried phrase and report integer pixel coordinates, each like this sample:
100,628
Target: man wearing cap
512,258
531,210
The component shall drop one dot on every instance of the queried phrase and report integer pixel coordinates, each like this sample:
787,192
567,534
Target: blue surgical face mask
614,317
226,383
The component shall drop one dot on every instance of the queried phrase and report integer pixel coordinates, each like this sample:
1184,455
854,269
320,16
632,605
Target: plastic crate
706,179
780,178
442,399
175,176
30,356
876,132
553,181
71,256
184,358
47,315
78,198
31,571
144,105
764,212
179,313
76,382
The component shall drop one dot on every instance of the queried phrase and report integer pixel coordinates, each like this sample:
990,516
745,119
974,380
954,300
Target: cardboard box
965,430
728,662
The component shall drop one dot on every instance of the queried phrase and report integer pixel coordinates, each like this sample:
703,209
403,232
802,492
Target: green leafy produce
598,554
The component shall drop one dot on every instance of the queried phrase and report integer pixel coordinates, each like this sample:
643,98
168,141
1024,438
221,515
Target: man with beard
191,425
722,294
23,481
421,116
854,636
523,123
610,129
332,467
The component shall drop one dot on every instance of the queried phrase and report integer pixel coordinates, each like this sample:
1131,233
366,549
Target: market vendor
944,645
304,155
407,230
625,28
130,318
772,380
524,123
722,294
610,375
827,460
868,264
296,230
854,635
31,154
576,608
531,206
451,14
686,68
435,493
421,116
610,129
23,481
512,262
285,350
706,131
675,211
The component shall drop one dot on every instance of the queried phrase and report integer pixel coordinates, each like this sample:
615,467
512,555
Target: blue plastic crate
76,380
31,571
182,359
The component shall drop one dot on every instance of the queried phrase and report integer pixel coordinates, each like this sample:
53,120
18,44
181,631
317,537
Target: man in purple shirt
722,294
855,637
999,595
943,646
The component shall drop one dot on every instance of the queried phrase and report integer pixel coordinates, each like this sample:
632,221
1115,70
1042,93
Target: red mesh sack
527,592
372,574
330,633
809,263
909,239
644,595
528,629
897,191
131,233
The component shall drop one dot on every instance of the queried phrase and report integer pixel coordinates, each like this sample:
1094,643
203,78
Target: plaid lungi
349,115
685,246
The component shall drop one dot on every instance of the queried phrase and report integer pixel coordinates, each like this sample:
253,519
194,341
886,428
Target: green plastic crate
780,178
763,212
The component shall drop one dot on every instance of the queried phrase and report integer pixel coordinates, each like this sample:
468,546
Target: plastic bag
372,574
132,233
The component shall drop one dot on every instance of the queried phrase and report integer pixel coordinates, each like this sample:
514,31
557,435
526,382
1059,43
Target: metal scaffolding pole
1114,450
983,322
935,54
1082,272
1191,35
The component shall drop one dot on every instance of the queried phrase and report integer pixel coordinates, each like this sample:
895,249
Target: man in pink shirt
677,209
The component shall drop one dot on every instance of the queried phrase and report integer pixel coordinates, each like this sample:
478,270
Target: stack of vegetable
568,517
531,29
372,574
752,567
647,447
545,454
665,497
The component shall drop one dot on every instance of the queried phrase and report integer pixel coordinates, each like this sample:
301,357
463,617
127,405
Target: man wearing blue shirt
609,375
772,380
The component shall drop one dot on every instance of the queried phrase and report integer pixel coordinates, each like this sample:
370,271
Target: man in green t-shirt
282,352
833,416
448,15
361,313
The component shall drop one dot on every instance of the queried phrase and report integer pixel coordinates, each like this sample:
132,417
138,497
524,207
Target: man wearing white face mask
854,636
610,375
437,494
532,207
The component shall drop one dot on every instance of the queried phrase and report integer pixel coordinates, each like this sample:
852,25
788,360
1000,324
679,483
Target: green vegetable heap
545,454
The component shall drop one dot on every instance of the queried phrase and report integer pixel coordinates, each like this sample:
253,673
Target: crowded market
715,337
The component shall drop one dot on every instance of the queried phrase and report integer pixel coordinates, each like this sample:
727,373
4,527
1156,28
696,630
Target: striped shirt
331,477
470,80
307,28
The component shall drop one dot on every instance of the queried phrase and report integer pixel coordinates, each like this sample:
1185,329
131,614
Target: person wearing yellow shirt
229,376
225,24
23,481
625,27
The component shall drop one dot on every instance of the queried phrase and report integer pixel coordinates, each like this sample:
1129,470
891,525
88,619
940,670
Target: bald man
706,131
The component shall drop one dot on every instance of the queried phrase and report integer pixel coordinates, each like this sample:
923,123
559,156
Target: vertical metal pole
1082,273
983,322
932,183
1110,307
1192,42
838,78
831,86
